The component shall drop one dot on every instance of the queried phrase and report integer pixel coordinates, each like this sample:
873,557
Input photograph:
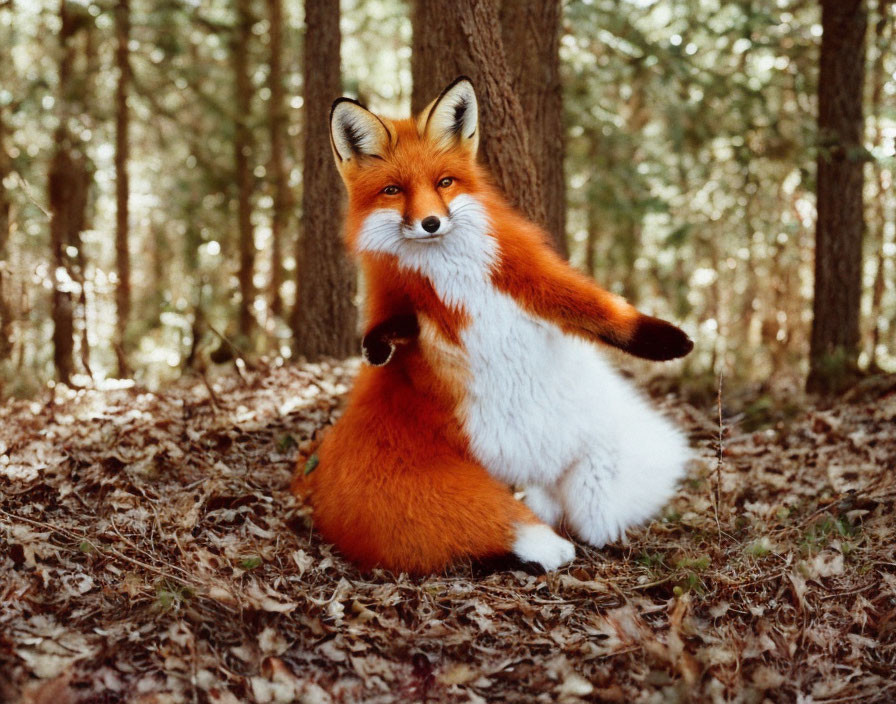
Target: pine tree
841,221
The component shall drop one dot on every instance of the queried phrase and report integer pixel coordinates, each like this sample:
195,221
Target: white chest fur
539,407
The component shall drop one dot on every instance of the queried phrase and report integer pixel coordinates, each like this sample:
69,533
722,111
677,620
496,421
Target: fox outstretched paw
658,340
381,341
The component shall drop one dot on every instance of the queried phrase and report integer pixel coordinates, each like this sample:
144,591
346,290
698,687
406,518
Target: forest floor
150,551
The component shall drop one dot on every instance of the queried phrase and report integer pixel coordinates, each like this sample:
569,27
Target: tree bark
277,125
591,237
325,315
122,117
881,43
65,188
838,237
62,304
6,313
464,37
5,203
531,36
242,150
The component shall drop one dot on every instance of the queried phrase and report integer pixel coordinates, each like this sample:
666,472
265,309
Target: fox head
408,180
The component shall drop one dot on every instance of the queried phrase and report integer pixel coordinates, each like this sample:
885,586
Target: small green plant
820,533
693,563
690,583
311,464
690,569
651,560
695,483
250,563
286,442
759,548
672,516
171,596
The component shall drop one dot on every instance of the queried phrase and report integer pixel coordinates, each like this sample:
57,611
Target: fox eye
445,182
391,190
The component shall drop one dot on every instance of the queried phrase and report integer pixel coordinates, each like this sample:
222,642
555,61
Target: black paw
507,562
379,343
377,351
658,340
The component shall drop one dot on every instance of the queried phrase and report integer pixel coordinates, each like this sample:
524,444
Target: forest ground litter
150,551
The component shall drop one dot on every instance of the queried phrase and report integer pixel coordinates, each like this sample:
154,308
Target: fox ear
453,117
355,132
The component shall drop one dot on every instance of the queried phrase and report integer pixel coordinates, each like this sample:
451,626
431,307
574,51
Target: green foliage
172,596
824,530
311,464
651,560
250,563
758,548
690,160
286,442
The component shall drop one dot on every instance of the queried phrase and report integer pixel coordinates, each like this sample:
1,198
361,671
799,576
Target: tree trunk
531,36
62,199
325,316
6,313
591,221
122,256
5,204
62,195
881,42
838,236
277,125
464,37
242,149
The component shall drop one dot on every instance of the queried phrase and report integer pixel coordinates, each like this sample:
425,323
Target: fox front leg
381,340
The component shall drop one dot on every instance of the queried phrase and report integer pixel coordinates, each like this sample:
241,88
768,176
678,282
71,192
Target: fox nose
430,224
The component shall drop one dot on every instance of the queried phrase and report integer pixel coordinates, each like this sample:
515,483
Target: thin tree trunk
531,35
82,176
242,149
61,196
6,313
884,21
277,124
838,236
122,116
5,204
325,316
60,190
68,188
159,257
590,237
464,38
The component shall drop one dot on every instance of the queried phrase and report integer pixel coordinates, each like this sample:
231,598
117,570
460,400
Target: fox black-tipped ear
355,132
453,117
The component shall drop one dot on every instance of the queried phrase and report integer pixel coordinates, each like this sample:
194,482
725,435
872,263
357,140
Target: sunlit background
690,166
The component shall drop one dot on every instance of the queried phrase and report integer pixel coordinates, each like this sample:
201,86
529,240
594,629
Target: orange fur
396,485
530,270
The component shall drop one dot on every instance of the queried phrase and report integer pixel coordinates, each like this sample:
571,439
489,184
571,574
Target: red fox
484,368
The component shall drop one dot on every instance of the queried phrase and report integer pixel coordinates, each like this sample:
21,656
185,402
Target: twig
717,504
213,397
236,352
26,189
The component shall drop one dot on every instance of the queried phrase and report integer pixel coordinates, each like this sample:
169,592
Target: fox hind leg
603,496
537,542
